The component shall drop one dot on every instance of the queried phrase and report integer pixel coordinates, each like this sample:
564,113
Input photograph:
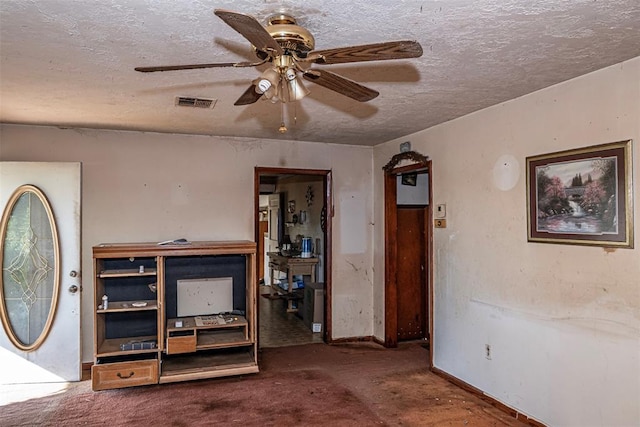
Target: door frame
328,203
391,171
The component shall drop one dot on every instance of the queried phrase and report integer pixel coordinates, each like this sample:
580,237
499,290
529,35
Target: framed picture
582,196
410,179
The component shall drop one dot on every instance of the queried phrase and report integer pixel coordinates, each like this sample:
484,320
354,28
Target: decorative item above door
407,155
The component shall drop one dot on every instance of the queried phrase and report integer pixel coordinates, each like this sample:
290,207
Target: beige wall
153,187
563,321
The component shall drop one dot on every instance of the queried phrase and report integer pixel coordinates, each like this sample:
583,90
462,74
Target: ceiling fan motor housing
289,35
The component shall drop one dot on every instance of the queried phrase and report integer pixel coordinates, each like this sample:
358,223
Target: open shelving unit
139,340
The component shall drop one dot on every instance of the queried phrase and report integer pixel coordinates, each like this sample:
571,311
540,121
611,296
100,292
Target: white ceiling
70,63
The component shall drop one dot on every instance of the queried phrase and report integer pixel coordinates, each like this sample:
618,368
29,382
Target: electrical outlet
487,351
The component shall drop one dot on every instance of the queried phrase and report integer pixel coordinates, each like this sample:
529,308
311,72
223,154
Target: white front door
57,358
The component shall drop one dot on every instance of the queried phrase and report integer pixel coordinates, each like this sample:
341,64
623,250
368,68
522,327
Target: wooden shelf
230,334
137,250
221,339
104,274
209,365
190,323
111,347
126,306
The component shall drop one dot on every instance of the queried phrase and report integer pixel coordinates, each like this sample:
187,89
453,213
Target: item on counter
306,247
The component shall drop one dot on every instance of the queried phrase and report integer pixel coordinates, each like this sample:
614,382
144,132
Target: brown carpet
310,385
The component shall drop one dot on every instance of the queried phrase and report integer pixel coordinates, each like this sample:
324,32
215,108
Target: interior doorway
408,250
293,232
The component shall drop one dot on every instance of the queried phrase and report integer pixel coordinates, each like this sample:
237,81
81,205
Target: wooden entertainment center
138,337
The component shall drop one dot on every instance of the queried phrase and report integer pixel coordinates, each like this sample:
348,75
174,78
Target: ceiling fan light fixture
296,90
290,74
268,80
263,86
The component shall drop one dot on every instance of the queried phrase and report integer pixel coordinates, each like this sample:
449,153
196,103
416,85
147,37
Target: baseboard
368,338
490,400
378,341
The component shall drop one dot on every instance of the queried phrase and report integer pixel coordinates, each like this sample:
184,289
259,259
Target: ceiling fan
288,47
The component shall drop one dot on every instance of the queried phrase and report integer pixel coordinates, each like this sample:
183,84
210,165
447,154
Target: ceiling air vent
187,101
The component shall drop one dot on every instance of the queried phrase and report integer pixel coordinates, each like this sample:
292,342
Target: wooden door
411,272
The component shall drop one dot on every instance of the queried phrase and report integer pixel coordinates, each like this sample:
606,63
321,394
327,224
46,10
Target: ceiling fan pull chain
282,128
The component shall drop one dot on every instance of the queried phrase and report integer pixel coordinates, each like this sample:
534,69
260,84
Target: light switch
440,223
441,211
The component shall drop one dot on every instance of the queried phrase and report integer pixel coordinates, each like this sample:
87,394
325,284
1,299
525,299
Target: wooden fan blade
196,66
368,52
249,96
341,85
250,29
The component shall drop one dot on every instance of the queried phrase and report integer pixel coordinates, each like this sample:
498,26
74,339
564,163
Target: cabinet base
204,374
208,364
124,374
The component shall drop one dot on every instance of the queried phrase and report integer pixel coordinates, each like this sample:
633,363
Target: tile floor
277,328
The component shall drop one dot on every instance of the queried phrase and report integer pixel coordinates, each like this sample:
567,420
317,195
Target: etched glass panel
28,268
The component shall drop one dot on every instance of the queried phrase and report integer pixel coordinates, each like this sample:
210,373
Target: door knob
73,289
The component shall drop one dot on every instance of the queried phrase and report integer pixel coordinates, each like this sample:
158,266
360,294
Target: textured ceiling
70,63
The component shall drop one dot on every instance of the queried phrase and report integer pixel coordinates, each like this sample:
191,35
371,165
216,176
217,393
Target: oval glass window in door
30,260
